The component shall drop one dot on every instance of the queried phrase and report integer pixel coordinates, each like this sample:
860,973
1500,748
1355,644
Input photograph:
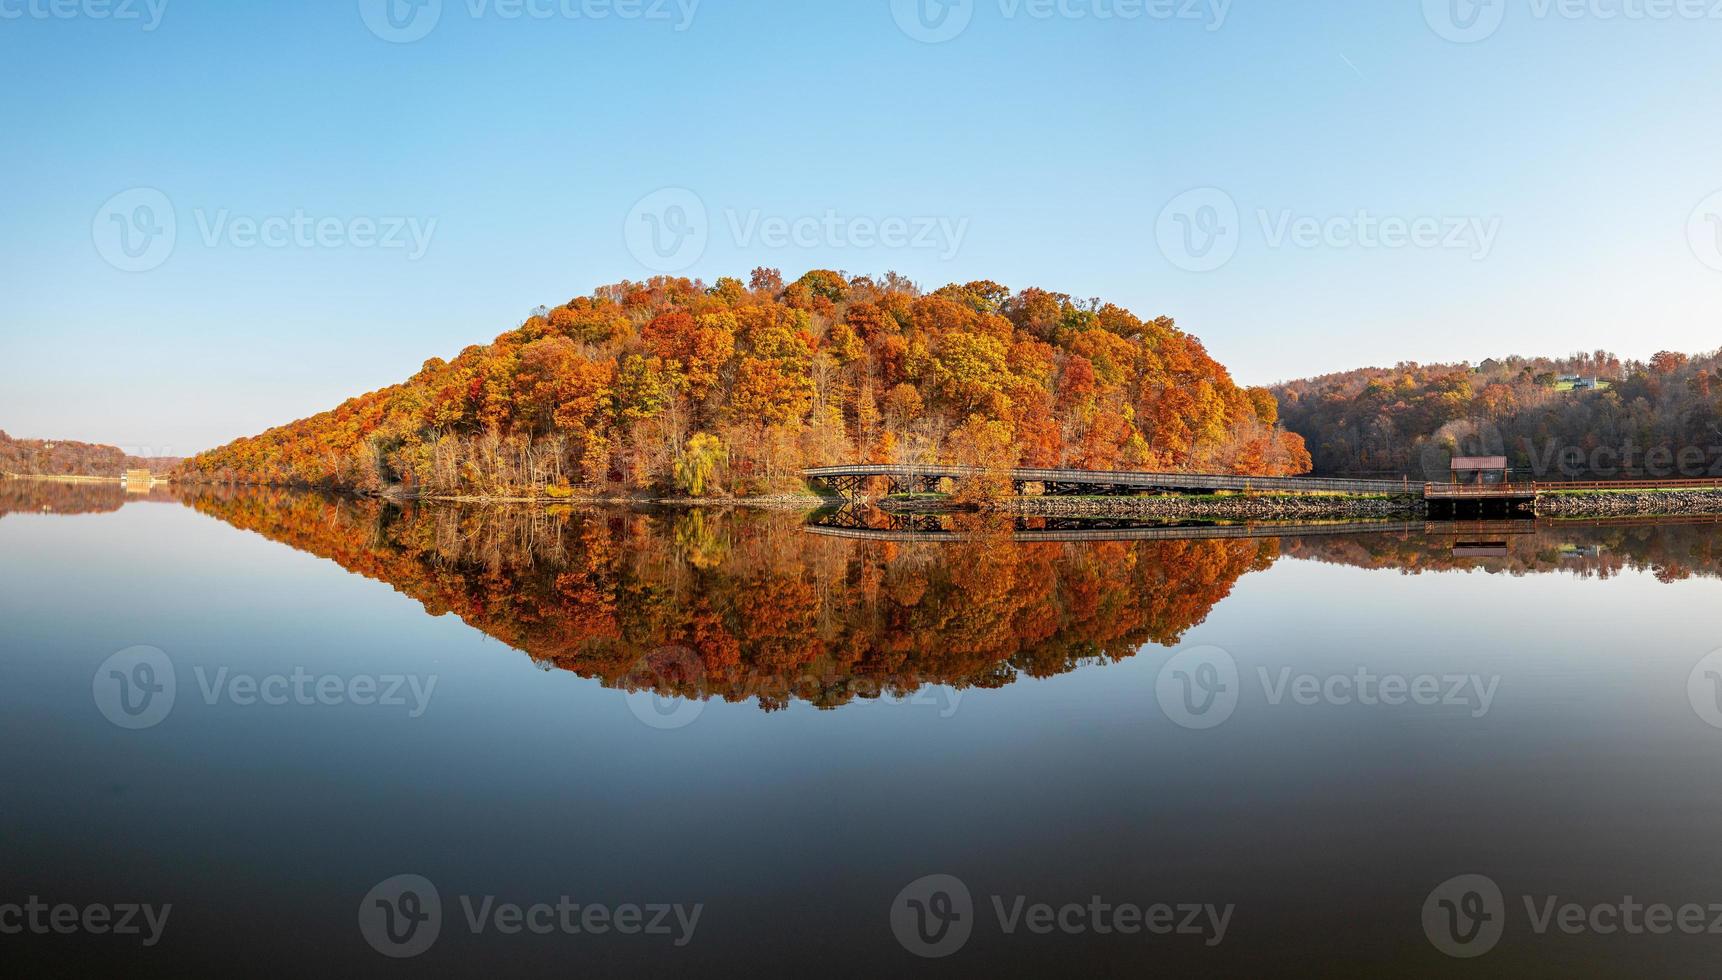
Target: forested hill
49,457
1586,416
733,388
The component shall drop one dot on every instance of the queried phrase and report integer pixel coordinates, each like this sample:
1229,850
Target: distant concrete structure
139,479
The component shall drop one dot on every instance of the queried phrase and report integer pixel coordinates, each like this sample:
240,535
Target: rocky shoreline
1224,508
1628,503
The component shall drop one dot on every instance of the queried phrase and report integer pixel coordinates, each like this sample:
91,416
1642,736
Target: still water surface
767,733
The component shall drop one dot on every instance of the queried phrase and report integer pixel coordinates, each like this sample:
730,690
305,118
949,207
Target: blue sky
1547,180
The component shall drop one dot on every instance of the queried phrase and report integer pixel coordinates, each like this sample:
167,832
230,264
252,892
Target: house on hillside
1489,366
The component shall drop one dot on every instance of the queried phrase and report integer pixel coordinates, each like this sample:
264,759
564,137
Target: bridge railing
1441,490
1709,484
1186,481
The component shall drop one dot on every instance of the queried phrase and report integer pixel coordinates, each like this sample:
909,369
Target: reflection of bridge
1164,533
862,524
851,481
1483,538
1444,499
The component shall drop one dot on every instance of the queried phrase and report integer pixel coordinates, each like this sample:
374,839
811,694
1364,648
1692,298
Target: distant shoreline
1670,502
65,478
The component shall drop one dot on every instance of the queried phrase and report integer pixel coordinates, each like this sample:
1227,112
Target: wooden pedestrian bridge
853,481
1503,498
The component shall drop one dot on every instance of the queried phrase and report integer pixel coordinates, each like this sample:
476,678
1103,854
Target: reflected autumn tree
750,606
1671,549
31,496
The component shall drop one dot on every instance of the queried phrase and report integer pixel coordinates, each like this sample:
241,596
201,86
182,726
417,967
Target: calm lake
343,736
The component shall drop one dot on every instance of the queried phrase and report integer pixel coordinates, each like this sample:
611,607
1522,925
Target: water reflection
769,606
749,605
73,496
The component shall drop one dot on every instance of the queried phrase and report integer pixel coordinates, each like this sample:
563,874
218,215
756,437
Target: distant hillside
1585,416
735,387
50,457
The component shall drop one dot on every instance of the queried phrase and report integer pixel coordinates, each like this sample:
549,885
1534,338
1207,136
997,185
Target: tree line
1659,418
50,457
733,388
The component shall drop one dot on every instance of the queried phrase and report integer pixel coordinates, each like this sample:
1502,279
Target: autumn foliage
611,392
750,606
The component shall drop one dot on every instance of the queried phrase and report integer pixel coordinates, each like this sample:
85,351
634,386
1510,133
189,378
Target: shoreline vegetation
1670,502
1585,503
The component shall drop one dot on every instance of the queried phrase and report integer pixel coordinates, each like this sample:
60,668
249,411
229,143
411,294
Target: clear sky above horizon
222,215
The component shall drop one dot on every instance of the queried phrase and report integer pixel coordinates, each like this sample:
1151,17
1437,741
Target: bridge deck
850,479
1170,533
1116,479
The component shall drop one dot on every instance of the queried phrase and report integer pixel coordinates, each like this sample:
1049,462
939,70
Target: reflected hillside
760,605
31,496
750,605
1671,549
